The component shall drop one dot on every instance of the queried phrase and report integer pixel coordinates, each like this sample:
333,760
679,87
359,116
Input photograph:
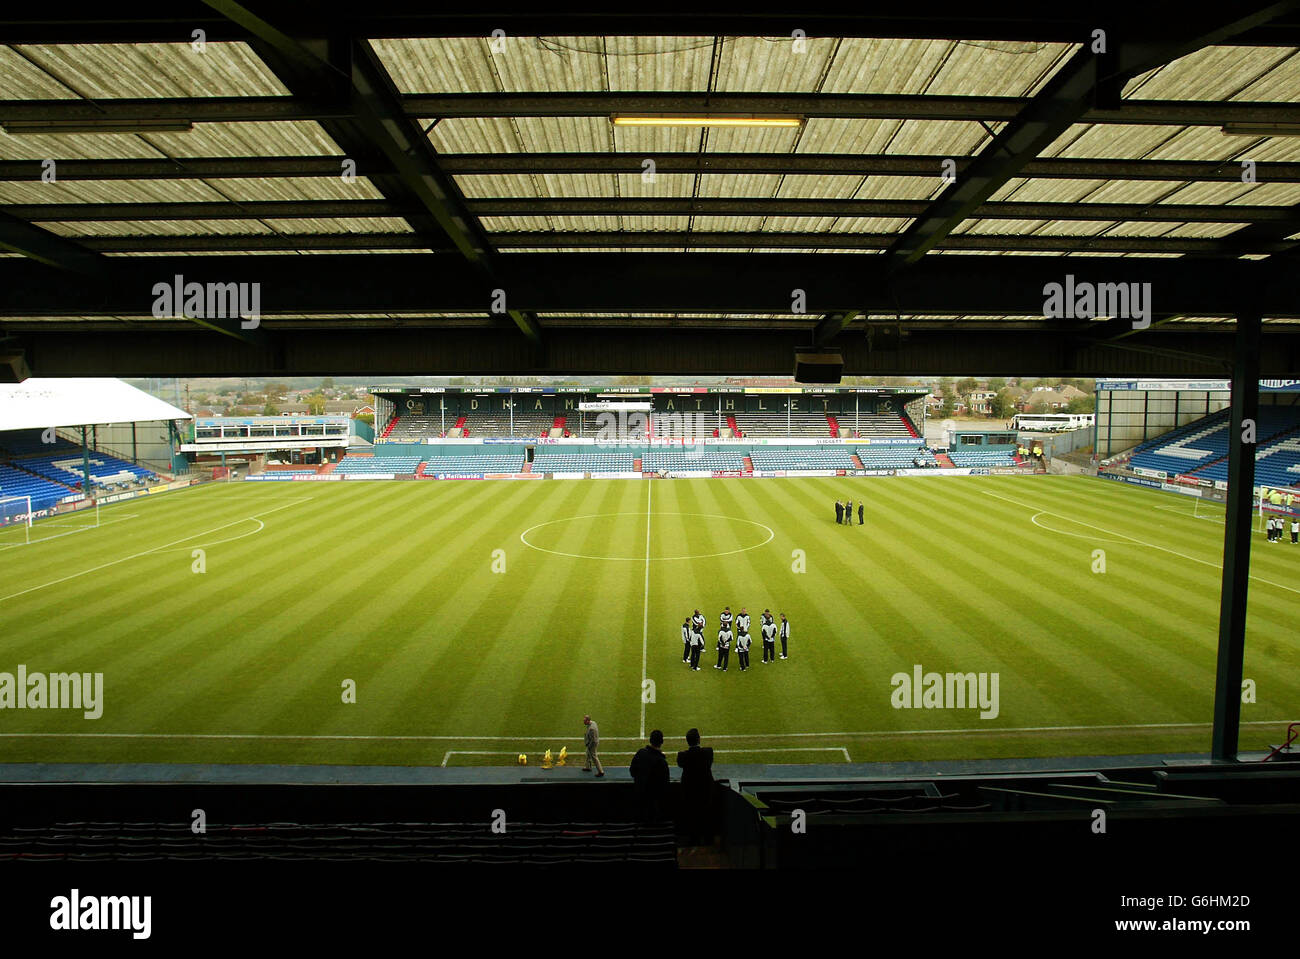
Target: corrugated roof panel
74,145
279,138
157,227
870,224
297,188
900,188
108,191
1205,230
751,185
1047,228
727,224
109,70
751,139
773,64
357,224
23,80
584,184
1111,140
658,63
829,187
1214,73
440,65
665,184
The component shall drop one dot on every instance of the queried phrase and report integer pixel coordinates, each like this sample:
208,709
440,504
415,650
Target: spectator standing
649,769
696,764
591,739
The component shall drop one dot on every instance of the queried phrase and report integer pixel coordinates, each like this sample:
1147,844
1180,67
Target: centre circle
747,534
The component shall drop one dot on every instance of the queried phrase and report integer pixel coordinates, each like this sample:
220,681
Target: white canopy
37,403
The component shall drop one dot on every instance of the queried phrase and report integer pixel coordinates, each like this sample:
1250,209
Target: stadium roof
39,403
936,170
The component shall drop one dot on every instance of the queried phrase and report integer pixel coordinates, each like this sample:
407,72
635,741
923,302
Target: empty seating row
105,470
704,458
369,465
802,458
966,458
601,461
894,457
465,465
874,424
43,492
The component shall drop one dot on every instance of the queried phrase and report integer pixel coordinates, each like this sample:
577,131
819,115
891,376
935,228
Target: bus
1051,422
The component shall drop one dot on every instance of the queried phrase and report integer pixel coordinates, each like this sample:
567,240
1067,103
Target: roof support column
1236,537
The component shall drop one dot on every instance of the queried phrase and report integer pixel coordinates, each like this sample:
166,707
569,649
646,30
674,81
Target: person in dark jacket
859,514
839,512
696,763
649,769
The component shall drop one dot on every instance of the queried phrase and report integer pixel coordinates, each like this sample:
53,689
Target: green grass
392,585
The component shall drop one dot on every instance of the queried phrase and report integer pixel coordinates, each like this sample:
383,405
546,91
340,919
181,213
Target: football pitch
479,620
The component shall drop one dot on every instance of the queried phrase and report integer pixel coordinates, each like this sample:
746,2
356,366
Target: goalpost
1214,508
15,520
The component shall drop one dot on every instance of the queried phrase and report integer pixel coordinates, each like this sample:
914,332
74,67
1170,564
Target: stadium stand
875,424
802,458
1188,447
371,465
978,458
894,457
1201,448
531,424
44,493
474,464
774,424
414,426
706,458
589,461
105,471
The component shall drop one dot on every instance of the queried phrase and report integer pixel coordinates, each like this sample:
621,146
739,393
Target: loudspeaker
824,367
13,368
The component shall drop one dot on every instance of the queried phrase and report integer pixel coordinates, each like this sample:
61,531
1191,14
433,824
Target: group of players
693,638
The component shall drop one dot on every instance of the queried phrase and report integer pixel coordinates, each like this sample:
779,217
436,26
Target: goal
1214,508
15,520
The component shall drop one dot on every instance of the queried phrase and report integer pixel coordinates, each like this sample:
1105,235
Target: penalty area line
1131,539
156,549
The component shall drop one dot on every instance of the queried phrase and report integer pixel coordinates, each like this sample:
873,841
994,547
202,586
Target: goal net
1214,508
15,520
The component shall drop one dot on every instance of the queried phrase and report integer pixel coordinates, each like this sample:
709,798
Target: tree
1004,403
997,384
366,418
965,387
1080,404
270,410
276,392
327,383
315,403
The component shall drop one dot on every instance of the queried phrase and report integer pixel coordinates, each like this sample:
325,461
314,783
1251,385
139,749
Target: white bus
1051,422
